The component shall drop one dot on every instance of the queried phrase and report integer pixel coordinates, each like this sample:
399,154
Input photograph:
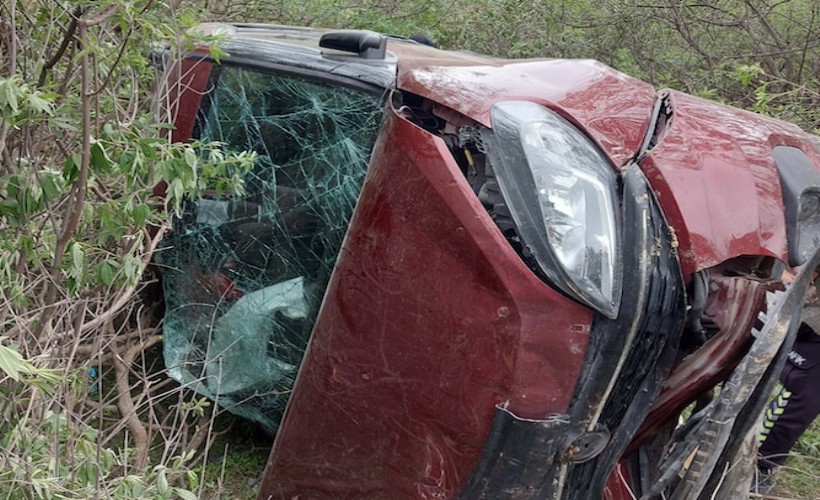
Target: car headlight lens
561,192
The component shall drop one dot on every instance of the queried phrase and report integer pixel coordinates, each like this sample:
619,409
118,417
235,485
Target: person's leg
794,409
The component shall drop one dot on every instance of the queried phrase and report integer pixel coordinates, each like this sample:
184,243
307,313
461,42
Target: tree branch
67,38
125,403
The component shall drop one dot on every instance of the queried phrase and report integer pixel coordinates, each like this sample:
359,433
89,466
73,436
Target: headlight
561,192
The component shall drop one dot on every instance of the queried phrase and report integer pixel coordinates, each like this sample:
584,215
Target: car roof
298,47
464,81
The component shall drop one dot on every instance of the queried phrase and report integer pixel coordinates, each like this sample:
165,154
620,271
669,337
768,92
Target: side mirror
366,44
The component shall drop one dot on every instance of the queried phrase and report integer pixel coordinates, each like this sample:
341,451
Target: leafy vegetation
83,142
82,146
758,54
800,477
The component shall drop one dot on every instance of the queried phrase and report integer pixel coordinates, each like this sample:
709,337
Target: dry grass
800,477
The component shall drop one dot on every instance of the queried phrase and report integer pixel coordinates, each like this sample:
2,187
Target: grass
800,477
236,463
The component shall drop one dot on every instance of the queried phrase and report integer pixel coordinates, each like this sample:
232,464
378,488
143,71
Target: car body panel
715,176
707,148
429,322
186,81
185,96
614,109
294,48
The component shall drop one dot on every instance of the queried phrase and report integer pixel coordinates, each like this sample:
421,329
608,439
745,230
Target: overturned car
459,276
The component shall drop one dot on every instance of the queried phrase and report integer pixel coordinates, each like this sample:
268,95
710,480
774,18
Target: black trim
517,460
160,58
798,177
317,76
366,44
645,336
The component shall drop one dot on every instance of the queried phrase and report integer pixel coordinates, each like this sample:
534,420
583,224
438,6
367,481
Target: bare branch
67,39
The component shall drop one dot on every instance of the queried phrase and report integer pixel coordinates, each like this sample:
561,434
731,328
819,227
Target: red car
458,276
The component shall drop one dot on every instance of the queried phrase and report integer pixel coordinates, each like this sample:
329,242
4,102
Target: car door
244,275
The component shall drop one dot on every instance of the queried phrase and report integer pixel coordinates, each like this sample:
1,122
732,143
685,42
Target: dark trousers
794,409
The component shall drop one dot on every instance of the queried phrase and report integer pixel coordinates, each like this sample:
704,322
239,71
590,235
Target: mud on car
458,276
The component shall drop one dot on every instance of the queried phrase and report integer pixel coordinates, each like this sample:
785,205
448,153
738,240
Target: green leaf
193,479
177,191
39,104
128,162
140,215
49,187
99,158
12,363
184,494
13,185
10,94
72,285
131,267
71,168
108,130
162,481
9,207
190,158
77,259
149,147
105,272
217,53
63,123
30,199
747,73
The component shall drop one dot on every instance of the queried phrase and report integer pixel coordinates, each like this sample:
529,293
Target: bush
82,145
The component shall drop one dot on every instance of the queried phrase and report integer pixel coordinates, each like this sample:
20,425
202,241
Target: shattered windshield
244,277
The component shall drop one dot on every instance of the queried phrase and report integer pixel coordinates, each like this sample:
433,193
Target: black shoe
763,483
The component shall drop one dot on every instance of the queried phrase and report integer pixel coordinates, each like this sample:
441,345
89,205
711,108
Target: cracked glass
243,277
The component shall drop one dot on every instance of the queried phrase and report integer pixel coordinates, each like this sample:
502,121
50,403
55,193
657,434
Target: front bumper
571,456
711,442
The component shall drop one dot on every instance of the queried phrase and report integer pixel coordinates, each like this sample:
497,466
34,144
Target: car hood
712,170
613,108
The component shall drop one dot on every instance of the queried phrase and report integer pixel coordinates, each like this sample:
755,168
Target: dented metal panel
614,109
430,321
572,454
715,177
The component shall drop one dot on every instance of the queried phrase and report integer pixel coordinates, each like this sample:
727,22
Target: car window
243,277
